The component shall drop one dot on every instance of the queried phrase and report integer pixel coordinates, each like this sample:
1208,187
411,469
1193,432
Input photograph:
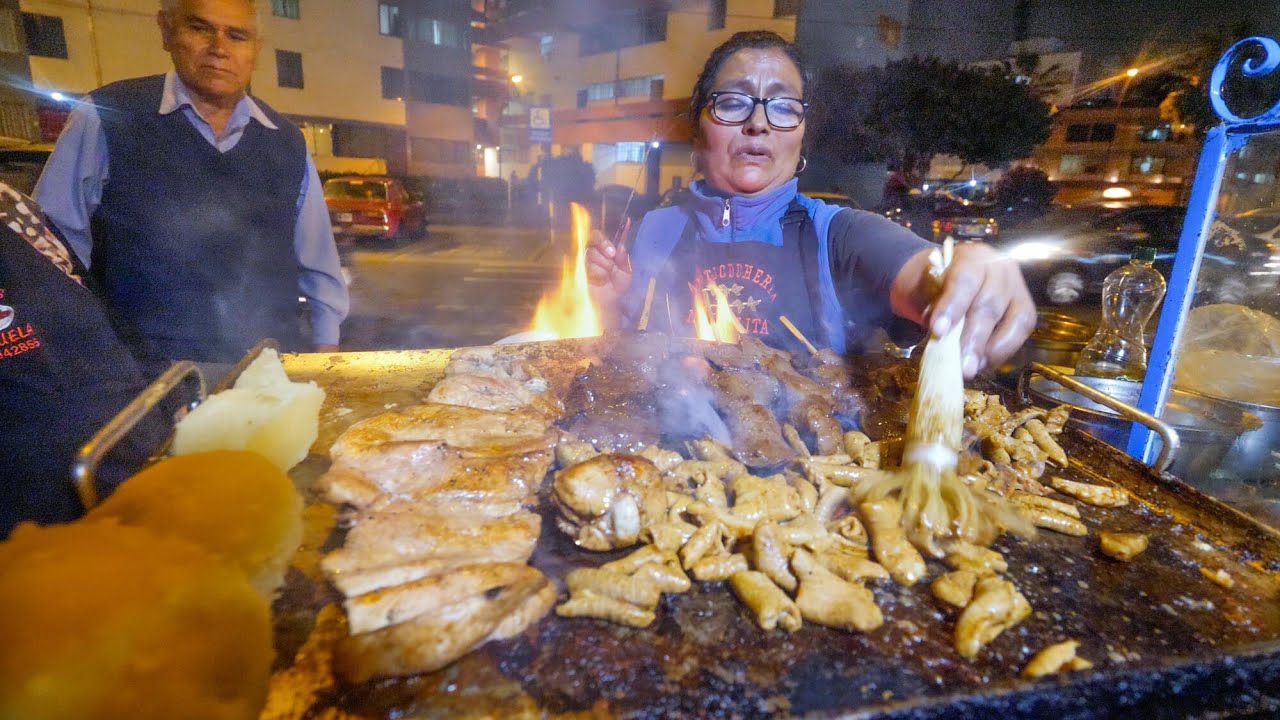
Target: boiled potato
264,412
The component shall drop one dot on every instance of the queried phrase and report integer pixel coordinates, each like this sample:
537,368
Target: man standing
197,209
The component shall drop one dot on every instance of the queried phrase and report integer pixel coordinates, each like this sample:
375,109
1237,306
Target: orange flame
567,311
725,328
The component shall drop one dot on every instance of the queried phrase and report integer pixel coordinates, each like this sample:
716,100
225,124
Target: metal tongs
183,375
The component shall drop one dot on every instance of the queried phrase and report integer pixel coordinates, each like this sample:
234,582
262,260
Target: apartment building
617,80
1132,146
335,68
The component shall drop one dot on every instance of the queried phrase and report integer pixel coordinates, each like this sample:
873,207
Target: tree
911,110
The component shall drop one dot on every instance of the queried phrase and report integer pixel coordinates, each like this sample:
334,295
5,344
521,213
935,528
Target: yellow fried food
233,503
102,621
768,603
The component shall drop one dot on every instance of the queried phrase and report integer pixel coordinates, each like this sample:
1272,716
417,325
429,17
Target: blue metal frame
1219,144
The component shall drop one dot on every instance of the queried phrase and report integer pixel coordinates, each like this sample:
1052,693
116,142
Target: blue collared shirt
70,190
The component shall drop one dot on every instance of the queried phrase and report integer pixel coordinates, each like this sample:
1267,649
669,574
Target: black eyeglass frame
711,105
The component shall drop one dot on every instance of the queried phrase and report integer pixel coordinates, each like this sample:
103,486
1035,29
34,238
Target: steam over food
263,412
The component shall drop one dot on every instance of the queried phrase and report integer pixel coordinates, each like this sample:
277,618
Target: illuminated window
389,19
629,152
1071,164
286,8
1146,165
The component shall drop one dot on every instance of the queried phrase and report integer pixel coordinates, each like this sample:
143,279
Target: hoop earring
804,163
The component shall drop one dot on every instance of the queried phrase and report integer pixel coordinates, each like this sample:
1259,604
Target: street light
1131,72
517,79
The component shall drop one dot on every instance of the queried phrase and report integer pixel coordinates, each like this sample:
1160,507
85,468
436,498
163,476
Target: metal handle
84,471
234,374
1168,436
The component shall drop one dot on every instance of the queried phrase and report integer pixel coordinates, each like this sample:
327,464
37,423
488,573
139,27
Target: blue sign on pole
540,124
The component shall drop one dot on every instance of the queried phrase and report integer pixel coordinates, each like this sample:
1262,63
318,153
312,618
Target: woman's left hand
982,286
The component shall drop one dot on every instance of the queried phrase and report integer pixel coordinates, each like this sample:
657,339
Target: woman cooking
835,273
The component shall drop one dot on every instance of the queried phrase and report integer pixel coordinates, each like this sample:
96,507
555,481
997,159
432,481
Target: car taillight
991,228
943,226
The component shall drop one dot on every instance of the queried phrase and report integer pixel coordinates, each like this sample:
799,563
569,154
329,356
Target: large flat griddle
1166,642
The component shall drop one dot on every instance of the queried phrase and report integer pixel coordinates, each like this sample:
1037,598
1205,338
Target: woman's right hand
608,271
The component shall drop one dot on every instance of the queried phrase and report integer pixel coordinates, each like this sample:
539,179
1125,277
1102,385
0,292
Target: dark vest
761,282
193,248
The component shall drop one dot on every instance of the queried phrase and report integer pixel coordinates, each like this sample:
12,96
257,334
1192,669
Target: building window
389,19
782,8
1159,133
716,11
289,69
1102,132
1146,165
545,45
44,35
285,8
646,86
438,89
623,29
1096,132
440,32
1071,164
890,32
629,152
9,32
392,83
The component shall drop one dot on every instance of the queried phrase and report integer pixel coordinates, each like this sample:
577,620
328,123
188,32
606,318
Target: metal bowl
1207,427
1057,340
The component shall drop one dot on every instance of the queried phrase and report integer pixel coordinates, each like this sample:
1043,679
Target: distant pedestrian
195,207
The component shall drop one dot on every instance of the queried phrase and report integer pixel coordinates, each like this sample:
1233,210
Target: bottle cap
1145,254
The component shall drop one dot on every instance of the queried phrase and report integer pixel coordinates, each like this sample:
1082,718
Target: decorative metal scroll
1219,143
1252,67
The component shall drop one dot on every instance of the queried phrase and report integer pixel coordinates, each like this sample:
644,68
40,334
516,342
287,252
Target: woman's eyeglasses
736,108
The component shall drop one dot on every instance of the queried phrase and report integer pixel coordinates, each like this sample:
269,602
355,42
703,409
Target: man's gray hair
169,6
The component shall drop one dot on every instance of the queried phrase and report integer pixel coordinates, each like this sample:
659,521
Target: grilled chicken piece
955,588
437,637
606,501
396,604
1056,658
1122,546
417,450
768,603
489,392
827,600
996,606
889,540
495,361
398,536
1099,495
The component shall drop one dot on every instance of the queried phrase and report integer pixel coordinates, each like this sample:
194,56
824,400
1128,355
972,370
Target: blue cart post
1221,144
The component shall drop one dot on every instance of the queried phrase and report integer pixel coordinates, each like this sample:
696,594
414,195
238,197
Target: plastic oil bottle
1130,296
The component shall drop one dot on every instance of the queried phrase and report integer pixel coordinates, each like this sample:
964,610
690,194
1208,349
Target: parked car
1066,254
373,207
21,164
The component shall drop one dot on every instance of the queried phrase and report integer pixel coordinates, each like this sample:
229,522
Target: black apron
761,281
63,374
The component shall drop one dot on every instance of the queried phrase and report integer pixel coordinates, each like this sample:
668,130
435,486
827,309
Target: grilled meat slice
396,604
606,501
401,535
489,392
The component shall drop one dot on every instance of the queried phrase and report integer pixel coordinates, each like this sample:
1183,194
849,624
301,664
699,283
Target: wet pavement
460,285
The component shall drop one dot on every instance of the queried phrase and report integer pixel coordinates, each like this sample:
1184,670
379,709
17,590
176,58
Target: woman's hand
982,286
608,271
